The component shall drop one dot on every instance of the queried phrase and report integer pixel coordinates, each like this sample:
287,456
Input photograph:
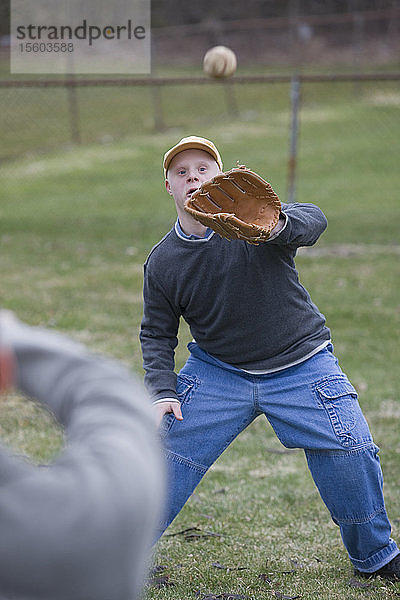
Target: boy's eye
202,169
181,171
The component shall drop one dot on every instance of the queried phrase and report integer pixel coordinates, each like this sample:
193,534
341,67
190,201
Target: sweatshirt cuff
277,233
166,400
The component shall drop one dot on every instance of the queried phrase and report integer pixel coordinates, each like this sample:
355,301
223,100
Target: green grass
75,228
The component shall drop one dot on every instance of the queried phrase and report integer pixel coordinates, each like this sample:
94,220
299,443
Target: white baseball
220,62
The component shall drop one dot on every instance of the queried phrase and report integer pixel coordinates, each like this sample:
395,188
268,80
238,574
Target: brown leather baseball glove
238,204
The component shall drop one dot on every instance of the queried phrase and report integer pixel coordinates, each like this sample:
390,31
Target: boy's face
187,171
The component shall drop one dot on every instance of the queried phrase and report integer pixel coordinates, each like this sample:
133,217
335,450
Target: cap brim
190,145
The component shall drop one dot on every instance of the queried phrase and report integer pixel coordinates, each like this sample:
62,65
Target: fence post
159,124
73,110
294,127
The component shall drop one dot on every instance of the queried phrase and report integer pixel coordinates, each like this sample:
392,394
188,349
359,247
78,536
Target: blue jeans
312,406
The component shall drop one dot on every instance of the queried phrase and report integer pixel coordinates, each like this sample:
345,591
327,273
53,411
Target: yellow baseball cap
188,143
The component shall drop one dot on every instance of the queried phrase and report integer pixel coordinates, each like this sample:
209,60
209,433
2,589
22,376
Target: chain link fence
49,117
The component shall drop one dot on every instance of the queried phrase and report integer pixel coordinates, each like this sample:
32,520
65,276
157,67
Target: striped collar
195,238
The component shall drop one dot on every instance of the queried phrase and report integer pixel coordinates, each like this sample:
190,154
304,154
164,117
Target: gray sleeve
80,527
158,338
304,225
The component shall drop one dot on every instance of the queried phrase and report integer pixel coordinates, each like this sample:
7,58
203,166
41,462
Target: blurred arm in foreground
82,526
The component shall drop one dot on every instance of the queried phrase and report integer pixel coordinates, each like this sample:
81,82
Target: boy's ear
168,187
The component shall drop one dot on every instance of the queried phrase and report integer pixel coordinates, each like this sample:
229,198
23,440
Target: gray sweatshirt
79,528
244,303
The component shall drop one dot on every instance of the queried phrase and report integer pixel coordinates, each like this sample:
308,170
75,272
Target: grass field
75,228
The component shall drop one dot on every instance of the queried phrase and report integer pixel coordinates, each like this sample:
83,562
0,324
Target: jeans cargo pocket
339,398
185,385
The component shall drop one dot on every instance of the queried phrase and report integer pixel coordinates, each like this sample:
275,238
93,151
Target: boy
260,346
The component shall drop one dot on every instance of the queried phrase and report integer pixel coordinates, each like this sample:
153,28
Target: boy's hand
6,370
7,366
167,406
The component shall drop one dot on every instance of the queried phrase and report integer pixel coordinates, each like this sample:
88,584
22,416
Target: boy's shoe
391,571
